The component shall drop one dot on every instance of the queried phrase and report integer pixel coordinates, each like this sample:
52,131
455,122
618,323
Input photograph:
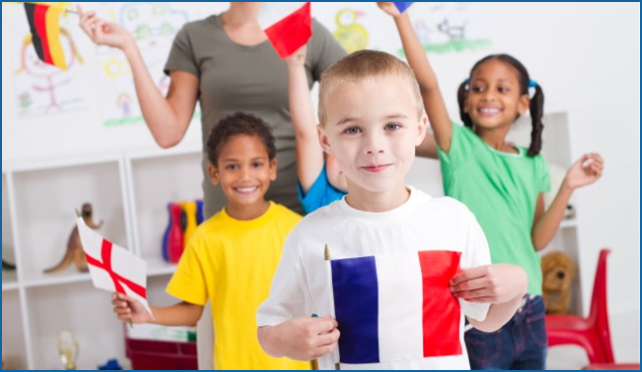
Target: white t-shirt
302,282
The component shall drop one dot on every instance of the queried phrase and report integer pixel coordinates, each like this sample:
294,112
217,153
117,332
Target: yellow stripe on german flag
44,22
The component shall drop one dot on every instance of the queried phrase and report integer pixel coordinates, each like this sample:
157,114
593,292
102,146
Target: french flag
288,26
396,307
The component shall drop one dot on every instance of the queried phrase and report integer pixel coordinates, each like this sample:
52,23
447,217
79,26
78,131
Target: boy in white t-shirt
394,308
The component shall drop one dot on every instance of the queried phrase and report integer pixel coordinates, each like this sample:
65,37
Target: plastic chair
592,333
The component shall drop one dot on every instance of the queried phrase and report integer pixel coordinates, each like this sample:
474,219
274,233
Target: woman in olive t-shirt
226,63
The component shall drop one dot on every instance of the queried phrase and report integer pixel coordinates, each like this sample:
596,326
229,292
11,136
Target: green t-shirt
251,79
501,190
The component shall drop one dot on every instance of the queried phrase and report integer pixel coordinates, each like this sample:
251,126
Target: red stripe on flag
292,32
441,311
40,16
105,253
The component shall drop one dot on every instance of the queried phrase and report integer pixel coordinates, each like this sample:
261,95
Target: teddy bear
558,271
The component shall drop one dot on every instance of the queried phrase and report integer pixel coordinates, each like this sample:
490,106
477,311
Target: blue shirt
320,194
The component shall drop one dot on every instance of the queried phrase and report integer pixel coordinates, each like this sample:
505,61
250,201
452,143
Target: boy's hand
297,59
127,309
389,8
584,171
302,338
495,284
102,32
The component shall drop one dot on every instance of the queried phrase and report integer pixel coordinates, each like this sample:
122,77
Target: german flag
44,22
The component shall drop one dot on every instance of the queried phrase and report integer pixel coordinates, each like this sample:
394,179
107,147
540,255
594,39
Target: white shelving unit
129,192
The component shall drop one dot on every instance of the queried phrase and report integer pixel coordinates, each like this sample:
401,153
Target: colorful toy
175,236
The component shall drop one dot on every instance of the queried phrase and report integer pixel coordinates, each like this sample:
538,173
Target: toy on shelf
111,365
74,246
558,271
68,349
183,220
175,236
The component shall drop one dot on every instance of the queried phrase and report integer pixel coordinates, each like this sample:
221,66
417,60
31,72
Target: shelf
154,182
566,224
13,340
9,281
156,266
81,309
45,222
71,275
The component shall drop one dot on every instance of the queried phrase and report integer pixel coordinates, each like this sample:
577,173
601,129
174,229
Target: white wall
585,55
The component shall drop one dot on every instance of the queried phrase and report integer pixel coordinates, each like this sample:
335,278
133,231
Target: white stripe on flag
400,307
271,13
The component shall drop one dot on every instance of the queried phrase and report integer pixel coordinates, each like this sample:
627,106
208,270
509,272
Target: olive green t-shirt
250,79
501,190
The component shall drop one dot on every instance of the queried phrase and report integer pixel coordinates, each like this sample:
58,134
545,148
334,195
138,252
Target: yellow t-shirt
231,263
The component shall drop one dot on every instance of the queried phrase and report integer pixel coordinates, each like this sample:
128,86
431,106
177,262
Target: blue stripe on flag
402,6
356,306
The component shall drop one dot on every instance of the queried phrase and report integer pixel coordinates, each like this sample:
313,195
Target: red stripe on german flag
44,22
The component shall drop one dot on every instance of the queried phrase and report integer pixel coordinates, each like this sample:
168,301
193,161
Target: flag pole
328,271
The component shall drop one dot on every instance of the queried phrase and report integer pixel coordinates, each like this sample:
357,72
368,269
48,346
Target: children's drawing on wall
49,72
154,26
448,27
352,35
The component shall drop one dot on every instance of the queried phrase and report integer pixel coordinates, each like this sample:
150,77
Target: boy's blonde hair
362,65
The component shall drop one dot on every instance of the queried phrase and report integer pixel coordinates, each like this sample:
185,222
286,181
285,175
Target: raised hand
585,171
297,59
389,8
102,32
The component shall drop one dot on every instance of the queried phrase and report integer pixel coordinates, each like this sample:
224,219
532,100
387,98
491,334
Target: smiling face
244,172
494,98
372,129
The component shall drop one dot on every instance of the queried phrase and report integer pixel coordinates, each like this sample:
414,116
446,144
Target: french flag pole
288,26
328,275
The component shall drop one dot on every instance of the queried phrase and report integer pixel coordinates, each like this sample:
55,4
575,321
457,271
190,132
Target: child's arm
584,172
300,338
430,92
182,314
502,285
427,149
309,153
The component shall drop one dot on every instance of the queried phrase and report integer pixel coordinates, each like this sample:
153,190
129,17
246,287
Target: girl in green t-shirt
501,184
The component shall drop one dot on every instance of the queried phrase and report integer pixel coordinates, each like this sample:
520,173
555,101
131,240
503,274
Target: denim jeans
519,344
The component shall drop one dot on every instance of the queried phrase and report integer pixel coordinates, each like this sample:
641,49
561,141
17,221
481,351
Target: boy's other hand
585,171
128,309
494,284
389,8
297,59
302,338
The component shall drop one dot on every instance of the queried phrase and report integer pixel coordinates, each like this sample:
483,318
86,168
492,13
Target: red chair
592,333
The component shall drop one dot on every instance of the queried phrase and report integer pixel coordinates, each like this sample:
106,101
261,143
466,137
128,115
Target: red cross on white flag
114,268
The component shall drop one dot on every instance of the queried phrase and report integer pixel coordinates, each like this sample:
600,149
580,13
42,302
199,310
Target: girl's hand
585,171
389,8
127,309
297,59
496,284
106,33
